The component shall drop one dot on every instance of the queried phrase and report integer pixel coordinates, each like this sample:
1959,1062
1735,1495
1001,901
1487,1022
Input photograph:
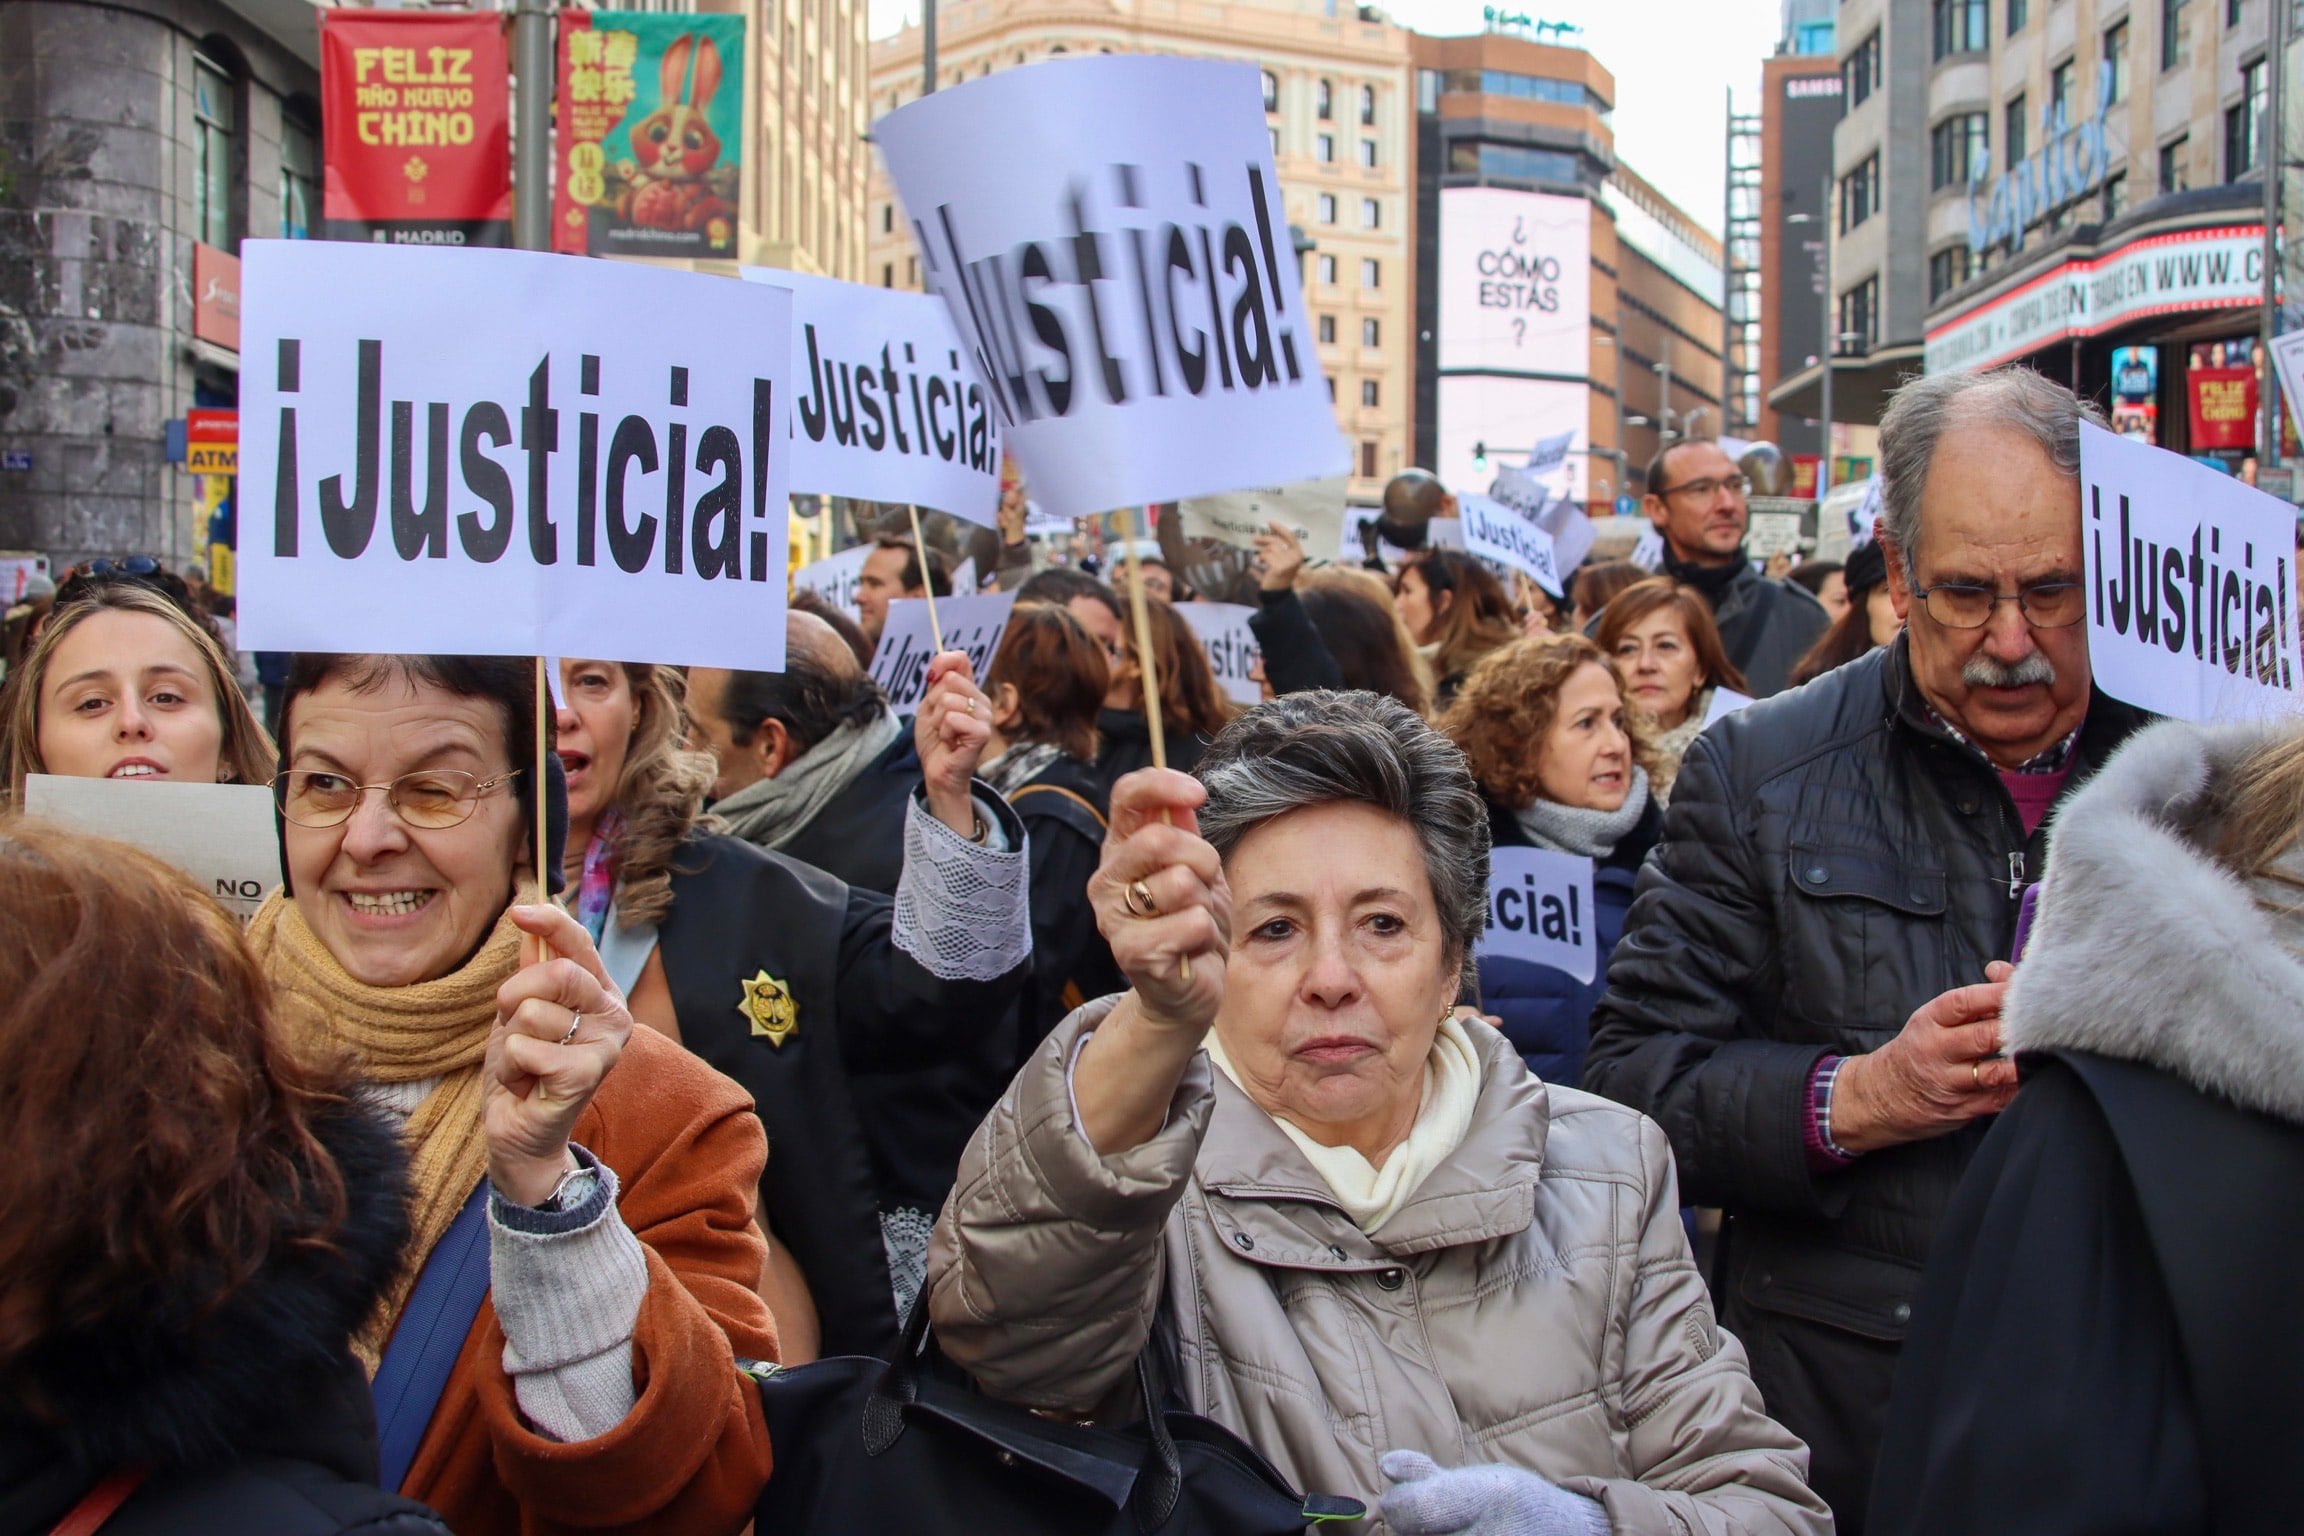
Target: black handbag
909,1444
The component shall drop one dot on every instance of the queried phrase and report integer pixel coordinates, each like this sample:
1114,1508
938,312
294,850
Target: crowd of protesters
815,1018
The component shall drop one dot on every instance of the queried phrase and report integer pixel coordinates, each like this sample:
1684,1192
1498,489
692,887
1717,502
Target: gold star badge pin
768,1004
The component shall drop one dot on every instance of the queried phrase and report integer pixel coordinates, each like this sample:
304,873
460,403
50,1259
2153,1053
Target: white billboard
1498,412
1515,342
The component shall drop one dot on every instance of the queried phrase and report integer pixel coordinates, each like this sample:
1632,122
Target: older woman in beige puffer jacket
1401,1267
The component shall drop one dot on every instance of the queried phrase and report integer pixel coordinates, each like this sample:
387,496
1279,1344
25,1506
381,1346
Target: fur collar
2146,950
167,1387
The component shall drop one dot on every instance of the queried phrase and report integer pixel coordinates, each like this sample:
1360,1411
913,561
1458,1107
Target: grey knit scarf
771,812
1575,829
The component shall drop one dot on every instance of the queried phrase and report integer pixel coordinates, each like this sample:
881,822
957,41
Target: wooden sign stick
1148,674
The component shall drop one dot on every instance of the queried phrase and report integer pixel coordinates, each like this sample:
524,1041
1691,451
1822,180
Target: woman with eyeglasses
601,1178
125,684
1668,649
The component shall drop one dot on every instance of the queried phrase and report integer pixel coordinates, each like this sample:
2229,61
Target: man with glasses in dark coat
1806,996
1696,500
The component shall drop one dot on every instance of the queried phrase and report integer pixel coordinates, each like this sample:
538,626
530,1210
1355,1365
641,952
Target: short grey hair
2013,399
1325,748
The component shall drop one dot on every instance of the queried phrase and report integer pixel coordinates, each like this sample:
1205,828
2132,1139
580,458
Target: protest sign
219,834
2191,585
964,577
883,407
1127,291
835,576
1313,508
1725,702
651,134
907,644
1494,532
597,457
1561,516
16,573
1550,455
1349,548
1772,533
1540,910
1231,646
1648,551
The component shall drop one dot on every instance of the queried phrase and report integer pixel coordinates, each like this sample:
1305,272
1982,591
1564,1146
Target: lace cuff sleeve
963,909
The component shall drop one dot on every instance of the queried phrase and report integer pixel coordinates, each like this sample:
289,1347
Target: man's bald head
757,724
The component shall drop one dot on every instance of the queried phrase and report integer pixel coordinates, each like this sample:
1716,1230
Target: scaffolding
1740,244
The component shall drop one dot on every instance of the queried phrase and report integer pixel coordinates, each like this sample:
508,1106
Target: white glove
1428,1499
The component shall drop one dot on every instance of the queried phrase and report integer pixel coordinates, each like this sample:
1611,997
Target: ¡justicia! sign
2071,162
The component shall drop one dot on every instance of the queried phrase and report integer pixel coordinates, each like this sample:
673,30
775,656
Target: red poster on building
2223,404
417,115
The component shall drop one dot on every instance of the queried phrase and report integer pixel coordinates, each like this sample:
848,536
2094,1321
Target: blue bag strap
433,1326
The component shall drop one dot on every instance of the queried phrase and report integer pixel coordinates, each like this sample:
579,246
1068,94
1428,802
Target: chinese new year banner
417,128
650,134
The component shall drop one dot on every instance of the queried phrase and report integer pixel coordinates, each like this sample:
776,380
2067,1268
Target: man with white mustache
1808,988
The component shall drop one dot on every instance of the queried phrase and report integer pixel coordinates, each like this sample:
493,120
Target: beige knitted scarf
434,1029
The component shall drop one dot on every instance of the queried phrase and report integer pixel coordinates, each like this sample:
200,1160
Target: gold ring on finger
1976,1070
1139,900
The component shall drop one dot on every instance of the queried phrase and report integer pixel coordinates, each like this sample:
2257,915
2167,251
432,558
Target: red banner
417,115
2223,402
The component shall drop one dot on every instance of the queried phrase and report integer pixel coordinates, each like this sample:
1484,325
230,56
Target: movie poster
416,127
650,134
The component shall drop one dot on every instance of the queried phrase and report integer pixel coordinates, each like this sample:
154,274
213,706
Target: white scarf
1370,1195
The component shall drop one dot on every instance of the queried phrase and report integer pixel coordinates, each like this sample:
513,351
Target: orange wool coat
691,1457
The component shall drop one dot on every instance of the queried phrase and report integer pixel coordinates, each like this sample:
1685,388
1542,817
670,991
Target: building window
1947,270
2244,123
1327,330
1328,270
2232,13
1860,316
1956,149
1860,75
1275,133
887,274
1960,27
1324,101
2116,55
1371,333
2175,176
1371,272
1324,148
299,178
1371,213
2173,53
2060,99
1368,154
1271,91
1367,106
1427,91
1368,394
2012,127
216,122
2018,14
2115,196
1513,162
1327,206
1860,193
1367,459
1331,389
887,218
1505,82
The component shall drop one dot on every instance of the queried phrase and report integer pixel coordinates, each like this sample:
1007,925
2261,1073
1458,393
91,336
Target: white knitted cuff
568,1302
963,909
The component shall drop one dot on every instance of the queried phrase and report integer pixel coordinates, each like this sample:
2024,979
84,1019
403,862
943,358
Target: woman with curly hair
198,1221
862,1031
1563,764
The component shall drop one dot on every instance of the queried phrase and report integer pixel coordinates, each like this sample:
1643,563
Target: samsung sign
2071,163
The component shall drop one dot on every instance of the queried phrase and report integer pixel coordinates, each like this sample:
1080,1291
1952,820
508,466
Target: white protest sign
964,578
1772,533
1540,910
219,834
494,452
2191,585
835,576
908,643
1230,644
2288,359
884,404
1550,454
1495,532
1725,702
1127,289
1351,551
1573,532
16,573
1313,508
1648,551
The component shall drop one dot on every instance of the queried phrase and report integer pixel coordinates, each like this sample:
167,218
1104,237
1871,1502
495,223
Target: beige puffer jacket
1534,1303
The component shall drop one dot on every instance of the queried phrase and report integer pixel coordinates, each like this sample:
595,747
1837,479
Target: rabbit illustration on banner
672,183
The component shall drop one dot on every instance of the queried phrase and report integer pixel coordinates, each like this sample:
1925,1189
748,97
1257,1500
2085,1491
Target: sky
1674,61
